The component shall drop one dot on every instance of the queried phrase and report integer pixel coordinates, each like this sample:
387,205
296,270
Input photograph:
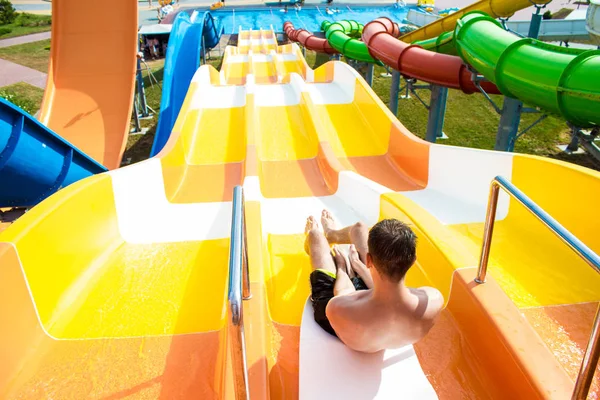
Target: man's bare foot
328,224
340,261
311,224
354,258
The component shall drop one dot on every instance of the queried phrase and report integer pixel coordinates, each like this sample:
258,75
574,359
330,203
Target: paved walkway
11,73
36,37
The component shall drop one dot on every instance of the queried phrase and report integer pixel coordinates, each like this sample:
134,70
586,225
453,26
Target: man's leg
323,276
343,282
317,247
356,234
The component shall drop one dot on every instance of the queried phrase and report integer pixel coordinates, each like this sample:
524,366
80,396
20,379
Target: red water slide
416,62
307,39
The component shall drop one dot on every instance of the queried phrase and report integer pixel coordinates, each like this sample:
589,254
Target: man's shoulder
344,301
432,292
341,304
435,299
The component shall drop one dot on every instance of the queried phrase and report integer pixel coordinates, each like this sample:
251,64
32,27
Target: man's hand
360,268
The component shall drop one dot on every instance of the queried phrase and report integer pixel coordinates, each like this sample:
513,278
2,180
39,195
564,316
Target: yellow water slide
115,287
89,93
495,8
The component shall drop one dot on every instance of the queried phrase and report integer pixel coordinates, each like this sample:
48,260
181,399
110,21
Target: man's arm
343,285
360,268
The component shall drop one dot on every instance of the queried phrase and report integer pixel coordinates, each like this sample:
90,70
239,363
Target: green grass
27,24
139,146
33,55
24,95
471,121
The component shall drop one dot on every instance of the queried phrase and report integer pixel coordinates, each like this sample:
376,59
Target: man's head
392,248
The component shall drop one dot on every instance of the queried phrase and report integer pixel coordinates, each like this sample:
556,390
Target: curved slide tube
496,8
443,44
341,36
34,161
413,61
307,39
559,80
89,94
188,36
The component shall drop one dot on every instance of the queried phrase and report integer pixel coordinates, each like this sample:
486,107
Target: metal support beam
140,88
369,74
536,22
395,92
437,113
574,145
587,140
509,124
510,117
203,55
524,131
136,116
408,88
592,148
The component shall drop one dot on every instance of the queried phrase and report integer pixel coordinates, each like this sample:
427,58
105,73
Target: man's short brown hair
393,248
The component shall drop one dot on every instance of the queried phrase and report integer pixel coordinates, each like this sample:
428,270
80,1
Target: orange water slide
90,87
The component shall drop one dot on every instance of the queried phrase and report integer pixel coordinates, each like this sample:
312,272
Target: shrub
547,15
20,101
30,20
4,30
7,12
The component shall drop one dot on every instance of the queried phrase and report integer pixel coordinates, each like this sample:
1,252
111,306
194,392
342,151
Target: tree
7,12
547,15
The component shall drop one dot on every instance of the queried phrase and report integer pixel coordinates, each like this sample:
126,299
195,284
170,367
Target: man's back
369,324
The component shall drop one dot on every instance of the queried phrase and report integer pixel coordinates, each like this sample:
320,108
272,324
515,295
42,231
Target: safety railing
592,353
239,290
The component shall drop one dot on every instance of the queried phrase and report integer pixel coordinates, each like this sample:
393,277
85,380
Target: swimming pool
309,18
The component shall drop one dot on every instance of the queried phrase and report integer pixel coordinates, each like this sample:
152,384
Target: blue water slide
34,161
190,38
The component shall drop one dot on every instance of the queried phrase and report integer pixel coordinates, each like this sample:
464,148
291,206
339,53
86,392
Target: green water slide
558,80
442,44
342,35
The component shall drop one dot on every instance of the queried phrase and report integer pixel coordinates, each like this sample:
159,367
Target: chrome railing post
589,363
490,219
234,297
245,268
592,352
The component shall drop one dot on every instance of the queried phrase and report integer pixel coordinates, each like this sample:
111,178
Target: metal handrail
239,285
592,353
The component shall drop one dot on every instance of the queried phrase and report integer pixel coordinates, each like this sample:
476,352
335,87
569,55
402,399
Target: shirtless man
367,305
